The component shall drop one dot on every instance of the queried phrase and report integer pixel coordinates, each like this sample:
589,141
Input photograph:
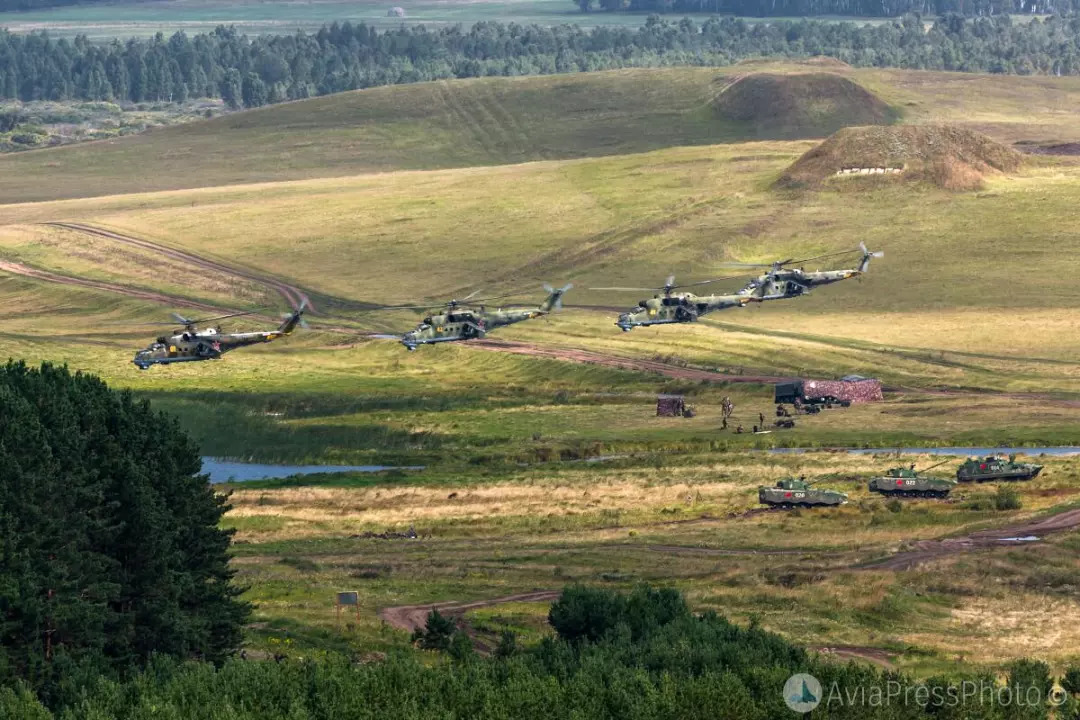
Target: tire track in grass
292,294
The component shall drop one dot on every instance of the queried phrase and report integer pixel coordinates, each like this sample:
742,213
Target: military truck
909,482
790,492
993,467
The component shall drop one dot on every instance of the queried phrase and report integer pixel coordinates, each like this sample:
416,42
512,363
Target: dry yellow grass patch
991,629
388,507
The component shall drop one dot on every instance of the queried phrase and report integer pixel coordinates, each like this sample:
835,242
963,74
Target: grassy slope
495,121
954,280
959,300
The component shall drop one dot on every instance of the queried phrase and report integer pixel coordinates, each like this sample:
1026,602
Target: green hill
494,121
798,105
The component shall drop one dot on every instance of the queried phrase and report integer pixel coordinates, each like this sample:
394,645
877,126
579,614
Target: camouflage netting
670,405
857,391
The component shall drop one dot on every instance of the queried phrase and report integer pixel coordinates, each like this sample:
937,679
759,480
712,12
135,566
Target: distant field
105,21
496,121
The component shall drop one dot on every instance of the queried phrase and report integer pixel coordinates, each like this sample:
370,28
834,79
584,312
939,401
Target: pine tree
231,91
110,548
254,91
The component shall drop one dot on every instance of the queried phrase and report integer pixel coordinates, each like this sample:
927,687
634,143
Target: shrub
1070,681
24,138
1007,499
584,613
437,633
461,648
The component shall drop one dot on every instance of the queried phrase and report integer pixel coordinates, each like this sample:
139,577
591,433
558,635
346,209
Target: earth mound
798,105
949,157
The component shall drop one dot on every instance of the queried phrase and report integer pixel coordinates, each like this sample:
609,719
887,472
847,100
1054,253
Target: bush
461,648
507,646
1029,678
437,633
584,613
1007,499
1070,681
10,119
24,138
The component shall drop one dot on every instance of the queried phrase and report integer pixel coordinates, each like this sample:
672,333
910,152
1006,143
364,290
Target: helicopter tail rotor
291,320
554,298
866,256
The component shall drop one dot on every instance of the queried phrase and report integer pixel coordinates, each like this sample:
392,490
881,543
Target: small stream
221,470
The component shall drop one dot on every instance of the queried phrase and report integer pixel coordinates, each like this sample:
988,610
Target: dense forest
110,550
851,8
636,656
253,71
766,8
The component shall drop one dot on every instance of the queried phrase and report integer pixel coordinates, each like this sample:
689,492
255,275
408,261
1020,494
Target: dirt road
413,617
293,295
45,275
926,550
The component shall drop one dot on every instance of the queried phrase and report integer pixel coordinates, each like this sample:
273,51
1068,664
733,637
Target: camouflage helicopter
190,344
467,318
674,307
782,282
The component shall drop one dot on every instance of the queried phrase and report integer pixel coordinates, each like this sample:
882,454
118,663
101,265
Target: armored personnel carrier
992,467
909,482
790,492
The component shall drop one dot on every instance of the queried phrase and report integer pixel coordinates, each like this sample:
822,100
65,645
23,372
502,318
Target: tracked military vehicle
790,492
992,467
909,482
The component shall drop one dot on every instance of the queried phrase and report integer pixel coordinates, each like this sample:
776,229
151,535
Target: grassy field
667,522
495,121
103,21
969,319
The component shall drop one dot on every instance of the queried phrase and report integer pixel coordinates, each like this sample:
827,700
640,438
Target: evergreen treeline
853,8
110,550
249,72
642,656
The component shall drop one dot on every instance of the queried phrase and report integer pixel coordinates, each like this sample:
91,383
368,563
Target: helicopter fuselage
792,283
676,308
457,325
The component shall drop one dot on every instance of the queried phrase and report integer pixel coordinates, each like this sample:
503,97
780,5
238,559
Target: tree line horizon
250,72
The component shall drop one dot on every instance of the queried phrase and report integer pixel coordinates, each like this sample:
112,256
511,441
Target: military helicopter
781,282
190,344
674,307
467,318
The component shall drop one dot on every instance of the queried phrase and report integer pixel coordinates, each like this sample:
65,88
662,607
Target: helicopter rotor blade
707,282
627,289
187,321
